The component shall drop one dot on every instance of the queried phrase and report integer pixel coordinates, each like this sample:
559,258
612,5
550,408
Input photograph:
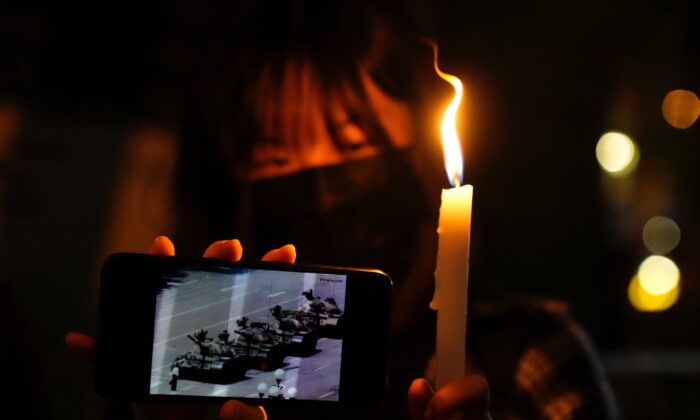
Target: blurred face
310,121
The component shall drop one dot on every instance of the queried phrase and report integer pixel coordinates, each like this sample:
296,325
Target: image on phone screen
254,333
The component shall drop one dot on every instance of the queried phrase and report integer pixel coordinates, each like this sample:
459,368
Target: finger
236,410
81,345
468,395
230,251
285,254
163,246
419,395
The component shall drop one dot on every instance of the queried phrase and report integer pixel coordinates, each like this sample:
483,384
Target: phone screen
255,333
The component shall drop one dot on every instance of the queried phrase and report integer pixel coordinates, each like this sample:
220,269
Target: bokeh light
681,108
658,275
617,154
644,301
661,235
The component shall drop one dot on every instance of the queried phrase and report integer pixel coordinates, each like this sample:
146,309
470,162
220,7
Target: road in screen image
214,302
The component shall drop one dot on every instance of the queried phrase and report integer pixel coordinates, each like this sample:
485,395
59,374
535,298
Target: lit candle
452,266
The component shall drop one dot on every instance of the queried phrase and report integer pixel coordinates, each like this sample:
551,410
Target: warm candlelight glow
450,140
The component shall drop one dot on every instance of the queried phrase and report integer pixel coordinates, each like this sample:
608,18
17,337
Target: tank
278,338
210,361
255,345
322,315
291,330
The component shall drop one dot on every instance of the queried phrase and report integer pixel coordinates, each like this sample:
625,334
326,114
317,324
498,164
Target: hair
278,63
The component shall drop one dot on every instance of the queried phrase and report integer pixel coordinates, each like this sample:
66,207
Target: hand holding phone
84,346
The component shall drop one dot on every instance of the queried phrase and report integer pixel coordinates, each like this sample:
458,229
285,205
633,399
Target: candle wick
456,181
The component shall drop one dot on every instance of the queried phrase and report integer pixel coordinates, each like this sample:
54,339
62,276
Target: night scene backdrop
83,85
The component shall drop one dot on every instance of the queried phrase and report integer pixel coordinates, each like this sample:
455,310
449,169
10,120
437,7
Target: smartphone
203,328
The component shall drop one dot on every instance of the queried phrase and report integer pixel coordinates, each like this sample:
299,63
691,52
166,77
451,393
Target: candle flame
450,140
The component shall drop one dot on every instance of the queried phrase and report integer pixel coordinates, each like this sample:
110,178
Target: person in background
306,125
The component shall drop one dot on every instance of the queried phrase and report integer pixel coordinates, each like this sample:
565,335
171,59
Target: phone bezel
124,339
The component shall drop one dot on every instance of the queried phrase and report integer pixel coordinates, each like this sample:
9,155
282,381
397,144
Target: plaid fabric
538,362
534,376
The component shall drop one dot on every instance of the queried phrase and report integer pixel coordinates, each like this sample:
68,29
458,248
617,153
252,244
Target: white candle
452,266
451,282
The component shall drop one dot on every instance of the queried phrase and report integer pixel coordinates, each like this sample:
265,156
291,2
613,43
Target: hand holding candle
451,270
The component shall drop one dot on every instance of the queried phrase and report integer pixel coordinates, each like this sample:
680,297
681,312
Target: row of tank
259,345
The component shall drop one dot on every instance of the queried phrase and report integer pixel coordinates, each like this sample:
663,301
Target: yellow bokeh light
658,275
644,301
661,235
681,108
617,154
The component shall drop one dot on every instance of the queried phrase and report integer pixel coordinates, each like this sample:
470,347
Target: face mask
359,213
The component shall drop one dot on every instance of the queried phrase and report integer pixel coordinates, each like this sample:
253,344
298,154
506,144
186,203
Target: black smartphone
203,328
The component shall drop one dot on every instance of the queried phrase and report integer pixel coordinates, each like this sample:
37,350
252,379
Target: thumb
236,410
419,395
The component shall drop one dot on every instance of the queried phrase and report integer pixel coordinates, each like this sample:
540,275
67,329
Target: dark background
545,81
